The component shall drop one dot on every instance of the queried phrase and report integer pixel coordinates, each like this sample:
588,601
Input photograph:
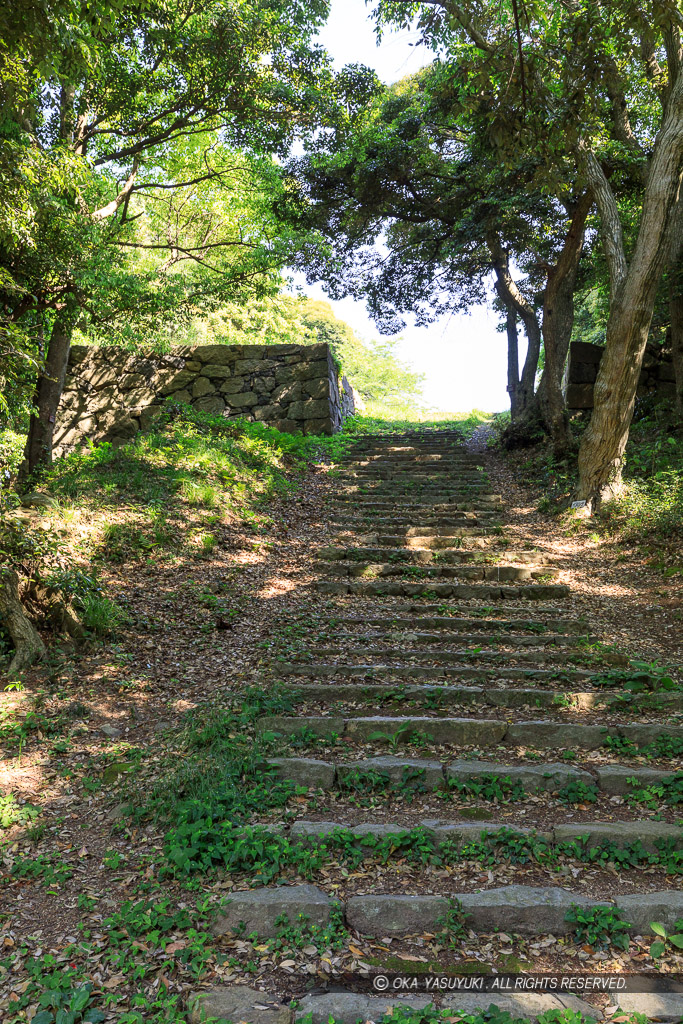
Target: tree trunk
527,406
558,321
675,287
28,645
513,361
633,293
38,451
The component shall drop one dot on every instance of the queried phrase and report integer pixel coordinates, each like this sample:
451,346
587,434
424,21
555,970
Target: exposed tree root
23,605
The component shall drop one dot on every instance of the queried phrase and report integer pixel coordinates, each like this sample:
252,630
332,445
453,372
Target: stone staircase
433,660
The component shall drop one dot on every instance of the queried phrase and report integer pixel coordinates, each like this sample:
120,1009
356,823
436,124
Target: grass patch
382,419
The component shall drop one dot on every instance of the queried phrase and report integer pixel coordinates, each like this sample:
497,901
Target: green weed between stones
489,787
600,927
204,845
668,791
430,1015
302,933
453,924
666,939
578,792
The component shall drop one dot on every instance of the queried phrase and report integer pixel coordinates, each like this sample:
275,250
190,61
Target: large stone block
318,426
665,907
202,386
216,371
237,1003
257,910
244,401
221,355
622,833
580,396
318,368
286,426
287,393
305,771
398,770
544,777
268,412
319,387
77,354
316,409
181,396
233,386
395,915
525,909
295,411
172,382
210,403
251,365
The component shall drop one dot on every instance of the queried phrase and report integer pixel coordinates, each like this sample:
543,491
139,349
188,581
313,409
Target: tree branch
610,221
111,208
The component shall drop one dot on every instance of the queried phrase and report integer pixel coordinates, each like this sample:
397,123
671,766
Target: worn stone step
228,1003
413,553
447,668
547,777
460,621
504,573
501,636
443,696
462,591
489,503
538,734
517,909
438,465
447,655
459,834
351,1007
455,493
522,909
427,526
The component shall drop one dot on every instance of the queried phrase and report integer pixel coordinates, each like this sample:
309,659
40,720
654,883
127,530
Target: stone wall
657,375
110,394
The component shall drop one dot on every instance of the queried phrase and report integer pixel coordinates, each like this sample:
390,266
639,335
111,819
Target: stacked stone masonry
110,394
656,377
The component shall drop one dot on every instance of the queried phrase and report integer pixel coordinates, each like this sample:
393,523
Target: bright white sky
463,356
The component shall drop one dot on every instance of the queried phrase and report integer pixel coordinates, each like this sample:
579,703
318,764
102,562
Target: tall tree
416,175
600,84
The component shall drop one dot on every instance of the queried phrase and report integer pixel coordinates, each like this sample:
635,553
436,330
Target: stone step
482,506
505,637
424,527
434,775
351,1007
443,696
438,494
460,620
461,591
413,553
462,833
227,1003
537,734
444,611
374,570
411,477
518,909
462,657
